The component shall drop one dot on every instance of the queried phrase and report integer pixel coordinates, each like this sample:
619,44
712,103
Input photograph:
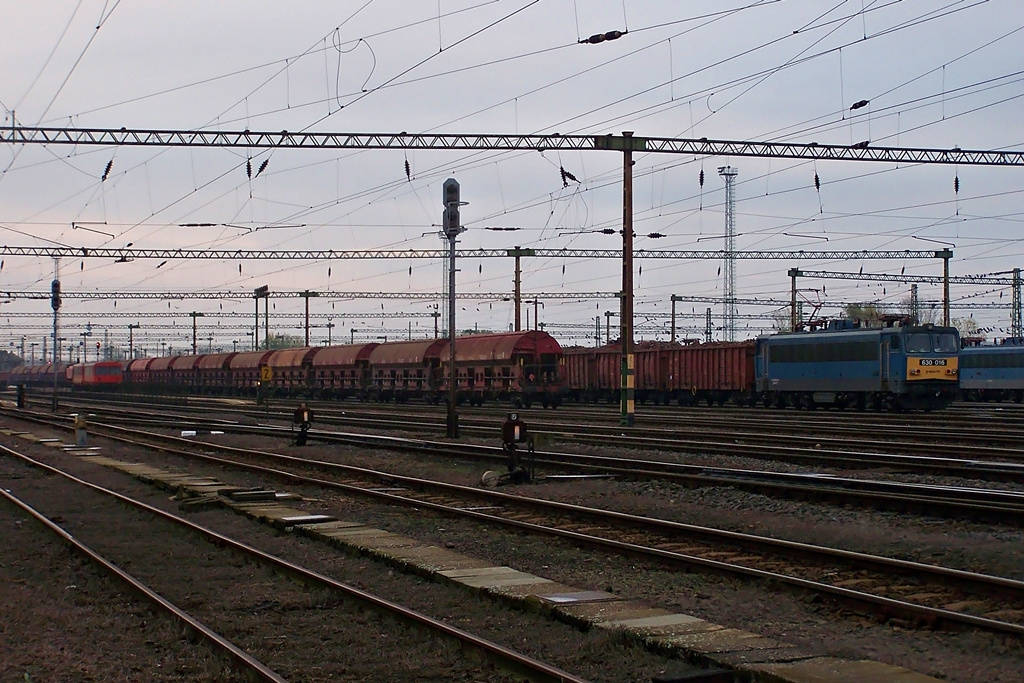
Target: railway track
669,441
243,663
937,451
287,573
916,592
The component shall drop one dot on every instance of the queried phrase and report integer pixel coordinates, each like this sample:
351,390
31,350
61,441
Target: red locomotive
99,375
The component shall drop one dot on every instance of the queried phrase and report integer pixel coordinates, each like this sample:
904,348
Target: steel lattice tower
729,279
444,285
1015,313
915,306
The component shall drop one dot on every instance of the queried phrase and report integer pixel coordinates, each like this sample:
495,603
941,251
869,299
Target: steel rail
992,584
239,659
500,655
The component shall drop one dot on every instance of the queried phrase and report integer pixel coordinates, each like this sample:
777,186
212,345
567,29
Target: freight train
897,368
992,372
522,368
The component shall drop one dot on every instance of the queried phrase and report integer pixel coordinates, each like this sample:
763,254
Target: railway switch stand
81,436
21,396
303,417
513,433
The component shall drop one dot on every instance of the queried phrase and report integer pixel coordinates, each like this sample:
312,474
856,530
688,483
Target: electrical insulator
956,184
817,182
601,37
701,177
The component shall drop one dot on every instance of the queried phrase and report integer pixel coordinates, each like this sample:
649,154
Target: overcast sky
935,74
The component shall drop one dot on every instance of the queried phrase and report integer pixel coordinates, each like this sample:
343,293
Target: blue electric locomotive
899,368
993,372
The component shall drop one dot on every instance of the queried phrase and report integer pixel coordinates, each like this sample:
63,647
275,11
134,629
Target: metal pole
451,201
453,416
266,321
518,293
256,327
306,295
945,255
131,339
627,405
56,359
915,307
793,274
672,338
55,304
1015,314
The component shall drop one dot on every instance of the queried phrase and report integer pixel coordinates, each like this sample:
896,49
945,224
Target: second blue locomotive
992,372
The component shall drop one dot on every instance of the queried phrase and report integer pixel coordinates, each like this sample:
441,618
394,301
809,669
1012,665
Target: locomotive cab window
919,342
946,342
